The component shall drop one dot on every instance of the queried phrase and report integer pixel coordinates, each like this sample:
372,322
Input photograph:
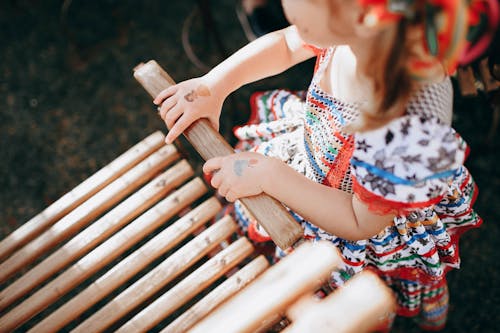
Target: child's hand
238,175
185,102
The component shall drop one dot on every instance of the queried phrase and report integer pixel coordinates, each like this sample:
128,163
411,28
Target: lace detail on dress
433,100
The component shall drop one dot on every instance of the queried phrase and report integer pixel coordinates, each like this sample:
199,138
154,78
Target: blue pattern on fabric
313,161
397,180
332,107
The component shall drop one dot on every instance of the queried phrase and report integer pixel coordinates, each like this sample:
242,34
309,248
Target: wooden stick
271,214
135,262
231,286
79,194
489,82
87,239
189,287
305,269
89,210
466,81
153,281
359,306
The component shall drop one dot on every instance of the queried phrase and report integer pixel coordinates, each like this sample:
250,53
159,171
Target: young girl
368,160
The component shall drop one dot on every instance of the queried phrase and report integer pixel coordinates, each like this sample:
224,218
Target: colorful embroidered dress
413,166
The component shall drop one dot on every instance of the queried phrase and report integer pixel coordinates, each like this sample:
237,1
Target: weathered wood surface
271,214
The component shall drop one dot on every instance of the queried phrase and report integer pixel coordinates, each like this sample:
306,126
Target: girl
368,160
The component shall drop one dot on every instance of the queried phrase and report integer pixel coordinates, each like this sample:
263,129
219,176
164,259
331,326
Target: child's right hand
186,102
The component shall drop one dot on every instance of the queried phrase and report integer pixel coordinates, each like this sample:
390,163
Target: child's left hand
238,175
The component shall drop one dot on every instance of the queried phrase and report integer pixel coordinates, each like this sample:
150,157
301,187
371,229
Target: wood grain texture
270,213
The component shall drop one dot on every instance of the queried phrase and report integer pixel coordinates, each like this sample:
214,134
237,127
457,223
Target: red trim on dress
382,206
341,163
254,234
319,52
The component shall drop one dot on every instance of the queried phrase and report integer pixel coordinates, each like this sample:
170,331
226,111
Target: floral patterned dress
412,166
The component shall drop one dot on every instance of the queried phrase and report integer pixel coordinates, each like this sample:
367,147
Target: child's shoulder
433,99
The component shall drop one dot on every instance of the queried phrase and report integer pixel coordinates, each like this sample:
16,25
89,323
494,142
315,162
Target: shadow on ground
69,106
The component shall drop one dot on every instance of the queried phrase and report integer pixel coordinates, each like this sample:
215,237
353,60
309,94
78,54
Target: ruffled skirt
412,256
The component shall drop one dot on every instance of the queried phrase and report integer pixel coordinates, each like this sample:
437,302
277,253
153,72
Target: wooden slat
231,286
87,211
79,194
189,287
86,240
304,270
164,273
466,81
270,213
94,234
357,307
135,262
489,82
90,209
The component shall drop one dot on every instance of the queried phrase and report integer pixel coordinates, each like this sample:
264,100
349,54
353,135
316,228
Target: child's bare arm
203,97
266,56
335,211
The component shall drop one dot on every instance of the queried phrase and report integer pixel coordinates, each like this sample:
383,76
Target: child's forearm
333,210
264,57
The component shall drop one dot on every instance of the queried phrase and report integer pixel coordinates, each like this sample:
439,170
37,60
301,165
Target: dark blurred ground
69,106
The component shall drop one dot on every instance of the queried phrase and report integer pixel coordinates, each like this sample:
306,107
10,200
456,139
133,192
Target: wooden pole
87,211
357,307
271,214
466,81
84,241
302,271
189,287
136,261
231,286
157,278
79,194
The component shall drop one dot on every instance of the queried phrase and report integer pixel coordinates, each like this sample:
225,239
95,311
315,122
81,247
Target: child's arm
202,97
333,210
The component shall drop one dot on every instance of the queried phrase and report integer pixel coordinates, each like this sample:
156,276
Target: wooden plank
87,211
270,213
85,241
157,278
79,194
304,270
189,287
489,82
207,304
466,81
357,307
136,261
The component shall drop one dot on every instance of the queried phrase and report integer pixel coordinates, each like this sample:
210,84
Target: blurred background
69,105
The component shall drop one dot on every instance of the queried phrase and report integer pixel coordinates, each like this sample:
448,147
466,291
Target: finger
168,104
230,196
223,189
172,116
214,121
212,164
216,180
164,94
180,125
